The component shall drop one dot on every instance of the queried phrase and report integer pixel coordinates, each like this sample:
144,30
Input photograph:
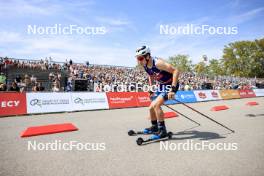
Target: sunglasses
140,58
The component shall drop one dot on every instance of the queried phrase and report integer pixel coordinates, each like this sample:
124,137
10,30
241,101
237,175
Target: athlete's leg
159,101
152,112
153,118
157,108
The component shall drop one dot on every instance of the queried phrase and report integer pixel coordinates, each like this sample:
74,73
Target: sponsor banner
229,94
48,102
215,94
170,102
186,96
143,99
122,99
89,101
167,102
182,96
207,95
246,93
12,104
259,92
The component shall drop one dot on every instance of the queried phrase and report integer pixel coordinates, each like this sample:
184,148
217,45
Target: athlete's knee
152,107
157,107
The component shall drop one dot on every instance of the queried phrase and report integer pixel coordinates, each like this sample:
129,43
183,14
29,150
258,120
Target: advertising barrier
12,104
88,101
182,96
207,95
122,99
186,96
246,93
143,99
27,103
229,94
48,102
259,92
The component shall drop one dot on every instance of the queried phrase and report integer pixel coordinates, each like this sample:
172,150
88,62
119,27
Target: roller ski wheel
140,140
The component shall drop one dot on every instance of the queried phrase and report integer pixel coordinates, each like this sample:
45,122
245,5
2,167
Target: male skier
167,77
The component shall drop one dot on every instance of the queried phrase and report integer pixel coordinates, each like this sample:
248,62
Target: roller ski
147,131
155,137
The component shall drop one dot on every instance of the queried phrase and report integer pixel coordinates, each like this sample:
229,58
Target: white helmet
142,51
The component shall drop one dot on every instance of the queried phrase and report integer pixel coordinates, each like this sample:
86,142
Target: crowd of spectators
20,84
29,82
191,81
101,76
42,64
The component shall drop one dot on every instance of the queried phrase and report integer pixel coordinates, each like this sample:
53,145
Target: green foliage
181,62
201,68
215,67
244,58
240,58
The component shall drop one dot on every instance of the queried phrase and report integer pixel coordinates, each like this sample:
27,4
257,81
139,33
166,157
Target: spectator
18,79
38,87
14,87
2,78
55,88
3,87
33,79
26,83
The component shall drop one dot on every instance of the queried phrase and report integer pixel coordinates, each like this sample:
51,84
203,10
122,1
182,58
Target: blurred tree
244,58
182,62
215,67
259,58
201,68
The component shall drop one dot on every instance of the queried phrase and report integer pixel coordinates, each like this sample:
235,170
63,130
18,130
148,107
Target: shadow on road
201,135
255,115
187,135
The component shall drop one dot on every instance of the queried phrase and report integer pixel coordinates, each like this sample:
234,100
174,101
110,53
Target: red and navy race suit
163,77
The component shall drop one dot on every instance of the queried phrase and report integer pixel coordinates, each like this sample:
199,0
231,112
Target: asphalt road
110,151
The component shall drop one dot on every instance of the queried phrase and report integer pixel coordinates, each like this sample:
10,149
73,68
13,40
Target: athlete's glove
171,95
172,92
174,89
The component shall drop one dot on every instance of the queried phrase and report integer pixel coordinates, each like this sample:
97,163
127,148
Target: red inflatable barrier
48,129
168,115
219,108
252,103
